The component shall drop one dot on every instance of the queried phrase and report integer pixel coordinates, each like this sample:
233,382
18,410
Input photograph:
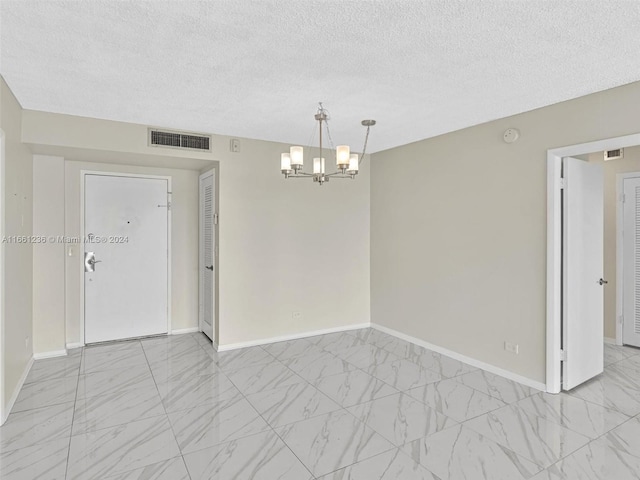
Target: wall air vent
613,154
158,138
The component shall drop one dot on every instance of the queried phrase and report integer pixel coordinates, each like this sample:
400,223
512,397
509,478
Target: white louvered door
631,263
207,254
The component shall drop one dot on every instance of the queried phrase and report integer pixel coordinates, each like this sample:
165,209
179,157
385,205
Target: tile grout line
165,410
397,392
154,416
107,427
462,424
345,409
73,414
265,421
322,393
341,408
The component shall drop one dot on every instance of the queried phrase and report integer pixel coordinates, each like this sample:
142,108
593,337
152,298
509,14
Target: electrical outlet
511,347
297,315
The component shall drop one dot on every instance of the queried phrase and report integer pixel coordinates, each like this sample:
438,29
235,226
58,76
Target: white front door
207,253
631,262
583,267
126,230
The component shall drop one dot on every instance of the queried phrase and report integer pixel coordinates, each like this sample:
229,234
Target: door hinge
621,319
563,183
215,218
623,198
563,355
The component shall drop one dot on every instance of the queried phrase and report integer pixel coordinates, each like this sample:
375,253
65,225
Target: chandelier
347,163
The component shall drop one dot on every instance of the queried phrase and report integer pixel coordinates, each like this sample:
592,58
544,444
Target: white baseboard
463,358
71,346
180,331
16,391
57,353
610,341
284,338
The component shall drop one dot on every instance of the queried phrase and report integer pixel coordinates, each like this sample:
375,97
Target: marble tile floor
357,405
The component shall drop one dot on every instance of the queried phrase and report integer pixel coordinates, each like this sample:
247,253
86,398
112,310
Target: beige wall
184,242
630,163
289,245
48,257
458,229
18,276
284,246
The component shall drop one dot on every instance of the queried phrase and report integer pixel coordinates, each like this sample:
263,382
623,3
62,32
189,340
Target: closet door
631,263
207,254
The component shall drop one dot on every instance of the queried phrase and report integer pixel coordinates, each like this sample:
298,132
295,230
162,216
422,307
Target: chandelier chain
326,123
321,109
364,148
312,139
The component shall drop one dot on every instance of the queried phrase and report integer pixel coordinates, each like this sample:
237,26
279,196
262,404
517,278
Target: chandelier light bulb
342,156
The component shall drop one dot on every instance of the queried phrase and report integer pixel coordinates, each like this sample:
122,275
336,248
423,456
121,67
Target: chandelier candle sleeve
296,157
353,164
285,162
318,165
342,156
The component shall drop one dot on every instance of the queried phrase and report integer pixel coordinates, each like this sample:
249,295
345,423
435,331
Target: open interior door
583,267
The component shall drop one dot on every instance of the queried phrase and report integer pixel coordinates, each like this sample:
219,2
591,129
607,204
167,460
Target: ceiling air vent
158,138
613,154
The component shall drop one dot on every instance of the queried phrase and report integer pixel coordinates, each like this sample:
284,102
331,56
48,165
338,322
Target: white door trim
210,172
83,174
3,413
620,178
554,245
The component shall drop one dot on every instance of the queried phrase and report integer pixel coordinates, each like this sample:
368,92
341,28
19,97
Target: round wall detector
511,135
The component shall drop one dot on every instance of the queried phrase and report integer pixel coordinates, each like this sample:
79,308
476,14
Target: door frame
212,171
620,178
3,413
554,246
83,174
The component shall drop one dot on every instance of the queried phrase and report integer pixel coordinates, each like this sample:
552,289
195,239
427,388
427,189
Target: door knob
209,267
602,281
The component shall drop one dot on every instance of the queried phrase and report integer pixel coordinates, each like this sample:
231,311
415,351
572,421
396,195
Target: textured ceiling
257,68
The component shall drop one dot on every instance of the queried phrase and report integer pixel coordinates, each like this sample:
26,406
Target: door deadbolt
602,281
